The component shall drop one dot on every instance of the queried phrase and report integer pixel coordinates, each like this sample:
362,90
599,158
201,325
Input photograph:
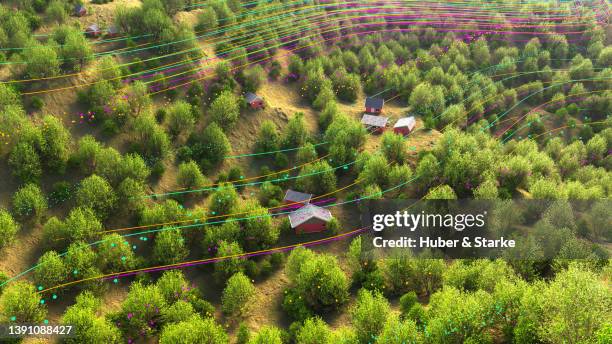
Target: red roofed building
309,219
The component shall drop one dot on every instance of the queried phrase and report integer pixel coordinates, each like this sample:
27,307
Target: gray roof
250,97
374,121
372,102
308,212
296,196
409,122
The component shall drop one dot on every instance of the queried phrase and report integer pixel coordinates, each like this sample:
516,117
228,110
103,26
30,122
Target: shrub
88,327
399,331
237,293
195,330
190,177
314,331
407,301
229,266
169,246
369,314
267,335
96,193
224,110
8,228
317,279
51,270
19,303
29,202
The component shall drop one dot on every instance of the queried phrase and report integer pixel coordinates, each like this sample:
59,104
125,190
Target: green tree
267,335
229,266
25,163
574,306
223,200
257,230
180,117
115,254
75,50
29,202
170,247
190,177
195,330
314,331
207,20
19,303
317,178
225,110
51,270
295,131
96,193
144,303
89,328
254,77
237,293
210,147
268,138
399,331
56,149
41,62
8,228
394,147
317,279
369,314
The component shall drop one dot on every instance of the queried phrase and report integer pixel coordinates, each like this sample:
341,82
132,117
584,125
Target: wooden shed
404,126
376,124
309,219
112,31
253,100
374,105
93,30
79,10
296,198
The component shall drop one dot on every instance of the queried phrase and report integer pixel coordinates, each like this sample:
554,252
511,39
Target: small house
254,101
375,123
374,105
404,126
309,219
296,198
112,31
93,30
80,10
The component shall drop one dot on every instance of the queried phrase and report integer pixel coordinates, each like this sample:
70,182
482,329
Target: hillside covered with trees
147,149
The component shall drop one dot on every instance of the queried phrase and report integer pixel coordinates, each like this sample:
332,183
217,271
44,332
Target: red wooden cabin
80,10
254,101
374,105
93,30
309,219
404,126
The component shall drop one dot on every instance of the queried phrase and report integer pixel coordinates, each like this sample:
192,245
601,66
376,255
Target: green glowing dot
46,321
115,280
13,318
134,247
40,287
123,258
54,297
42,302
